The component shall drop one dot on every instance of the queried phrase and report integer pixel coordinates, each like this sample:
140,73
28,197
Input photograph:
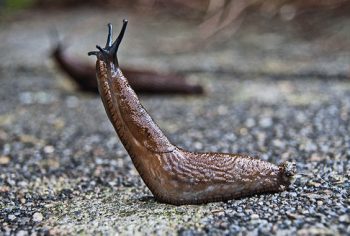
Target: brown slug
172,174
142,81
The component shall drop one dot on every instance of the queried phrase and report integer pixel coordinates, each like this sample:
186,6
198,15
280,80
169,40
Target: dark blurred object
221,11
142,81
181,5
218,19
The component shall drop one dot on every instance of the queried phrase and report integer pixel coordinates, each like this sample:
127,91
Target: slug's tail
111,49
287,170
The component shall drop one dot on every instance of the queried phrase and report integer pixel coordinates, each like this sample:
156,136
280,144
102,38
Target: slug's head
109,52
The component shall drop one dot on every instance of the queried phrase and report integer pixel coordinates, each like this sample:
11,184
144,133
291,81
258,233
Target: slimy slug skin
173,175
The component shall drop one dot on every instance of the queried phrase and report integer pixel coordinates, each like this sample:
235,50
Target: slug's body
143,81
174,175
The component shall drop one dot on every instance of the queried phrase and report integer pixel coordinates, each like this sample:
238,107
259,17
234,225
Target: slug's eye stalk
109,37
110,50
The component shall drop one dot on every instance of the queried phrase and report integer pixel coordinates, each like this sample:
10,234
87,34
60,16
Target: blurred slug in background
142,81
173,175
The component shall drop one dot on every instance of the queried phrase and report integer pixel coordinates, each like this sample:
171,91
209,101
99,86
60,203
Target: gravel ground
64,171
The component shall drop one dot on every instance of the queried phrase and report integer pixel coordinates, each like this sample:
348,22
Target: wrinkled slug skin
174,175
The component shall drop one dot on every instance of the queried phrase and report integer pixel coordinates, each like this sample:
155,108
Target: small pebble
22,233
4,160
265,122
11,217
37,217
344,218
319,203
49,149
254,216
